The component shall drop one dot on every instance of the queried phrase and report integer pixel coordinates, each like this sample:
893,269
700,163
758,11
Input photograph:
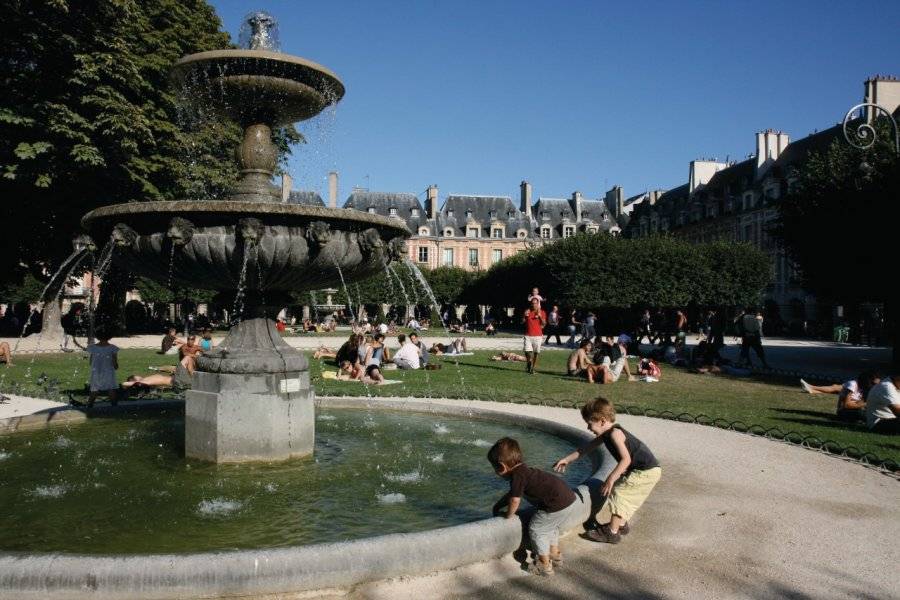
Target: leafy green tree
836,226
89,116
594,271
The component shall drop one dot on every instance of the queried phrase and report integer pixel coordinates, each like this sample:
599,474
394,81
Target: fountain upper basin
288,247
259,86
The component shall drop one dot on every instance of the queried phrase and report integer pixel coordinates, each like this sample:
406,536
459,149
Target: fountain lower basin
309,567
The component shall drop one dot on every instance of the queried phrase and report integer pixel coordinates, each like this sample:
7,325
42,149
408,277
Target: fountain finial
259,32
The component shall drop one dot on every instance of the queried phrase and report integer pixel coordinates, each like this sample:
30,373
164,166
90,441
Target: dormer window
468,214
448,232
521,234
414,212
545,233
592,229
606,217
392,211
472,232
493,214
510,214
497,233
450,213
371,210
423,231
544,215
568,231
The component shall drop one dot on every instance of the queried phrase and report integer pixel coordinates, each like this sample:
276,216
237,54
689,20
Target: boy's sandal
540,570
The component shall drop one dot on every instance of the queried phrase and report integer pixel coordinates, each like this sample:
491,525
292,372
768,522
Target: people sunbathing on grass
189,353
355,372
509,356
851,401
154,380
457,346
6,354
579,363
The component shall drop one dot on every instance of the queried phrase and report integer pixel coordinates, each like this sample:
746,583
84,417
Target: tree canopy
592,271
835,223
89,117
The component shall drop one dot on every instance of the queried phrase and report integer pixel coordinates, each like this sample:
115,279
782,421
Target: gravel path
734,516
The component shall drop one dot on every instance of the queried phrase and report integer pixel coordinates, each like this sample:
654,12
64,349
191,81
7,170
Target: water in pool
123,486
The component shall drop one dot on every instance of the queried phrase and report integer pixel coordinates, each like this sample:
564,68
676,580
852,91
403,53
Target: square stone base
231,418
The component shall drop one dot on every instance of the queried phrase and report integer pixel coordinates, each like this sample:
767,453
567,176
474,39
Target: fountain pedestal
253,403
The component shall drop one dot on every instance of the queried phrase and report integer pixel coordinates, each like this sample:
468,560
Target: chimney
701,171
769,145
883,91
576,200
653,196
431,201
332,189
525,188
286,182
615,201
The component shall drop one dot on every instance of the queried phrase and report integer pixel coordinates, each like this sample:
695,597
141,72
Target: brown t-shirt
543,490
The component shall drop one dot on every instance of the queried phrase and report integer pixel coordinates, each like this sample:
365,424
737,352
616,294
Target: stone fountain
250,397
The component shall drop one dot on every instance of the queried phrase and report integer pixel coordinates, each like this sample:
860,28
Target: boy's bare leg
534,358
92,397
555,552
113,397
528,361
615,522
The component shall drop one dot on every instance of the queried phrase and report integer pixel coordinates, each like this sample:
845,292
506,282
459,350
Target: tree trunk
51,326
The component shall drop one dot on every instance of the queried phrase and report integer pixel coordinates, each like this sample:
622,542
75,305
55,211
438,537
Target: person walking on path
573,326
589,330
553,323
535,320
749,325
645,328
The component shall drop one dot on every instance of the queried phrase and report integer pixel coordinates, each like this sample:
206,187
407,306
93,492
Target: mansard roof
459,210
557,211
305,197
733,178
383,202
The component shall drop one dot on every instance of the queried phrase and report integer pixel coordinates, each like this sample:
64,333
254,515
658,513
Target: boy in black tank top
633,477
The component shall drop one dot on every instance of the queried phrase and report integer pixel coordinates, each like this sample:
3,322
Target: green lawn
767,403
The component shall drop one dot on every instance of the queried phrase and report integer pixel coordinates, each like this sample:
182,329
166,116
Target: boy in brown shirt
554,500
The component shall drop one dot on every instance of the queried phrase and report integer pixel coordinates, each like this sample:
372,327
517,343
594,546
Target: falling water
171,266
60,277
238,312
391,291
68,266
104,262
315,306
346,293
421,279
391,271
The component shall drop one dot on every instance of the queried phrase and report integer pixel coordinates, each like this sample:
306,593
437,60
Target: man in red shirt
535,320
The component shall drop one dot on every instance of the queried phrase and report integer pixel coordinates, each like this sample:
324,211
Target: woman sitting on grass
851,402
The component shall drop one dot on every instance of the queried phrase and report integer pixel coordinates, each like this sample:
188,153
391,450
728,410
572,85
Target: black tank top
641,457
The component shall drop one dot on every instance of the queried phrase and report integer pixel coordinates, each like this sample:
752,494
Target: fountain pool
123,486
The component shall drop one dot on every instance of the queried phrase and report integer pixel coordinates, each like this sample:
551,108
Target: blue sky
476,96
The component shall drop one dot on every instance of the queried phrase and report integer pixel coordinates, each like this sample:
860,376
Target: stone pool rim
274,570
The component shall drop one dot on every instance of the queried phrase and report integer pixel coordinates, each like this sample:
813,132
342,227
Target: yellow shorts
629,494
